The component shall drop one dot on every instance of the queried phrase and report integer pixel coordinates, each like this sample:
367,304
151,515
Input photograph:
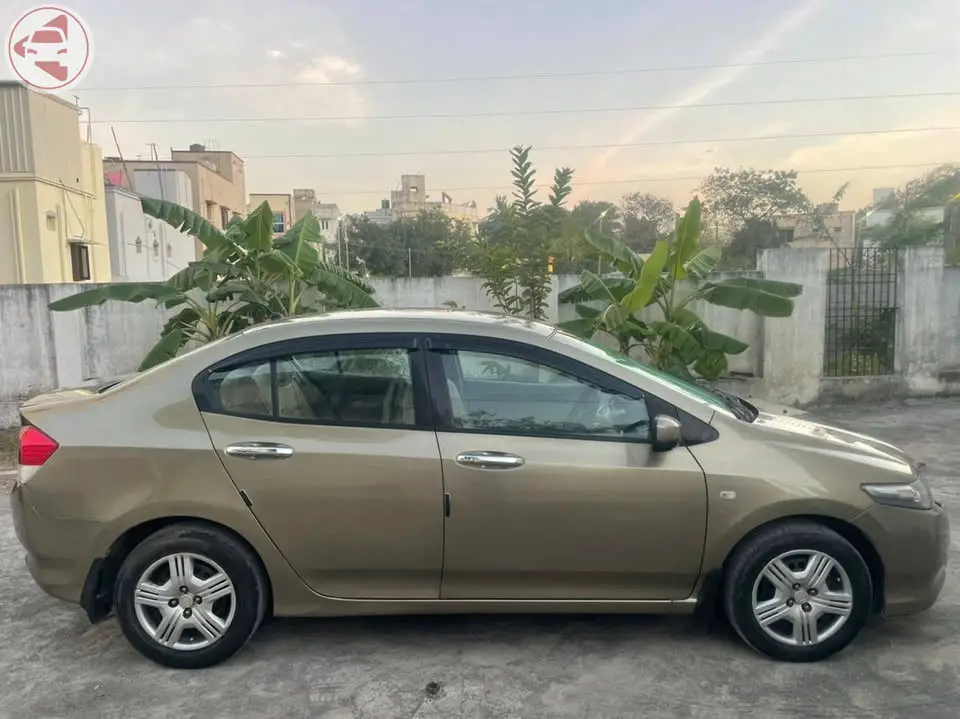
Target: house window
785,236
139,245
224,217
80,262
324,224
279,224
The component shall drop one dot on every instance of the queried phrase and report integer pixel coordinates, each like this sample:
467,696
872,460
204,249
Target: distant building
412,199
282,206
217,177
800,230
142,248
382,215
328,215
53,224
876,218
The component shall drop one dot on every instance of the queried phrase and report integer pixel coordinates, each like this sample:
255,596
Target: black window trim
695,431
208,402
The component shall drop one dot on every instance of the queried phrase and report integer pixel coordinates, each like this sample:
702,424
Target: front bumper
59,551
913,546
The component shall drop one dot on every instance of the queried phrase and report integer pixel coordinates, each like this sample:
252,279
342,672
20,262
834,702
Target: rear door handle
259,450
489,460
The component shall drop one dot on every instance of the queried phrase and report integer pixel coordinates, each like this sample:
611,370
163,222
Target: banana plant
244,276
650,302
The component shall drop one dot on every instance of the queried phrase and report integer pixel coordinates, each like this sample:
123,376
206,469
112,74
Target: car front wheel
189,596
798,592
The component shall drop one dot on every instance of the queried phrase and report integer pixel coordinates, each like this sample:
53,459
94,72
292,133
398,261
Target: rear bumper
58,550
913,546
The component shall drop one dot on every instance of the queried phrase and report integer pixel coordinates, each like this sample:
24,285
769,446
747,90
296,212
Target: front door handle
489,460
259,450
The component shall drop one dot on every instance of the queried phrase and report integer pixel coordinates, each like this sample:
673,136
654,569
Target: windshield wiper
740,407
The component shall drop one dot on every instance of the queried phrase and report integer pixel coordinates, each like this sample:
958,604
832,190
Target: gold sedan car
400,462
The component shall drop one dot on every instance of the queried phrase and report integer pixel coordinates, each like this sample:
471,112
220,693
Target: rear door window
371,387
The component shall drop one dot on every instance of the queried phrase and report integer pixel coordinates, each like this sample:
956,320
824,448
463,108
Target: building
52,213
800,230
142,248
328,215
217,179
382,215
282,207
412,199
878,217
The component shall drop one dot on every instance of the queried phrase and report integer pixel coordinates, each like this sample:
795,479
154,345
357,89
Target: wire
512,113
531,76
858,168
649,143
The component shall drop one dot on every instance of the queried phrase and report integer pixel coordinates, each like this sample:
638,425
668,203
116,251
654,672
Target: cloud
769,40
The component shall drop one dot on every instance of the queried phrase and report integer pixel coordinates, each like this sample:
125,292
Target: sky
382,68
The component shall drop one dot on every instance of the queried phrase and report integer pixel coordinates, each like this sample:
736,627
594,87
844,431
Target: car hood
834,441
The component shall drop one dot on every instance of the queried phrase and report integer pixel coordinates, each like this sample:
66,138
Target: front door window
499,393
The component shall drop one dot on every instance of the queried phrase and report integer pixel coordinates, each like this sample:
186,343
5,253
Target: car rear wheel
190,596
798,592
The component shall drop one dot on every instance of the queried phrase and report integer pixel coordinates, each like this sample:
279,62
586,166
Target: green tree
646,219
735,196
908,226
664,288
427,245
512,252
571,251
244,277
754,235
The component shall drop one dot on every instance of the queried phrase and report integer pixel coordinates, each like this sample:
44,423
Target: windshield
716,398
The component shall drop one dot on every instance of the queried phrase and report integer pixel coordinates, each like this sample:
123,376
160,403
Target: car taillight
35,449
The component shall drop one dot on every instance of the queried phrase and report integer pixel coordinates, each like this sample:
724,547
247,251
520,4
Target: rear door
332,441
554,490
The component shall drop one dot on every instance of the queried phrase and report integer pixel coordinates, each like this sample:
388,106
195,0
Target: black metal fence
861,317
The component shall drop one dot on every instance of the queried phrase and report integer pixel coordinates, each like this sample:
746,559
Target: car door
553,489
332,442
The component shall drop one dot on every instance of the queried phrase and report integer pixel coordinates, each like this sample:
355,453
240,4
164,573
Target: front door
334,446
554,490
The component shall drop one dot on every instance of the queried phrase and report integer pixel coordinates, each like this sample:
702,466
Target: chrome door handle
489,460
259,450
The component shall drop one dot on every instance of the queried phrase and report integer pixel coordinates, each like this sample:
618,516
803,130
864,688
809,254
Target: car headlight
912,495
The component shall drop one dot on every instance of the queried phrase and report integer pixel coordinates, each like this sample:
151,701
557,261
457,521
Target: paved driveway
53,664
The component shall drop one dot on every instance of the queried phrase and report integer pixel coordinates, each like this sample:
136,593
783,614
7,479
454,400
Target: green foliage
646,218
245,276
908,227
427,245
515,241
735,196
645,305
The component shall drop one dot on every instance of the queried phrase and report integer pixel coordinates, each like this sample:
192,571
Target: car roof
398,320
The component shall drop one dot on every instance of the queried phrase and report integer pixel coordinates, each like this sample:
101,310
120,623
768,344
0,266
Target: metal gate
861,317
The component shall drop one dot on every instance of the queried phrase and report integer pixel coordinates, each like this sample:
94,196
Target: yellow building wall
37,219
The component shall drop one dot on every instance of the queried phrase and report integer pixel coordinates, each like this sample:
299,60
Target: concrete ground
54,664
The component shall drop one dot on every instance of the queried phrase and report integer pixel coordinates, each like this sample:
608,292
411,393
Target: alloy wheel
185,601
802,598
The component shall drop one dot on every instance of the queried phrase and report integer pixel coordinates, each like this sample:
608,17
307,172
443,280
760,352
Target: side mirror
666,432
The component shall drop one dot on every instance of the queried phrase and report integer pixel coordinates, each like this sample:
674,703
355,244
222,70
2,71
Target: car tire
791,624
237,607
